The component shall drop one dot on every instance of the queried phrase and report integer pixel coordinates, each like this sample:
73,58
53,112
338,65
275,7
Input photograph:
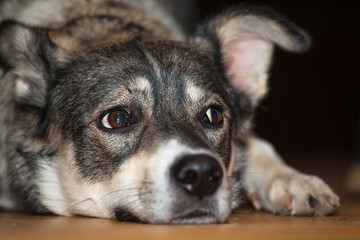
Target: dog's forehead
177,62
173,72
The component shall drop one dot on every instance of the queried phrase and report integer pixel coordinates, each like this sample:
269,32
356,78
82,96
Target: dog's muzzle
191,190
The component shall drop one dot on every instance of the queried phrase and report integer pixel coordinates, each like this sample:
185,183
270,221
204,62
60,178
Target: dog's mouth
123,215
194,216
189,217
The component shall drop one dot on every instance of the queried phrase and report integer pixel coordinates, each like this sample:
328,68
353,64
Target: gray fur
69,65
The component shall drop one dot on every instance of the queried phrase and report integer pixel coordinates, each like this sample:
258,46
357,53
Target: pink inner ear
245,60
233,73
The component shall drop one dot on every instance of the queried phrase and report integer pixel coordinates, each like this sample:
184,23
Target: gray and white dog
107,109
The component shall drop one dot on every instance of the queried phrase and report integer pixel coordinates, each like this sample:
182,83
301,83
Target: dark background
313,106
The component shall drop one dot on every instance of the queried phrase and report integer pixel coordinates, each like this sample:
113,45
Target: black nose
198,175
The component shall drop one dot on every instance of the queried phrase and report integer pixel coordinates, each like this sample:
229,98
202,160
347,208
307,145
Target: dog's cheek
66,192
73,194
94,161
221,141
99,155
128,186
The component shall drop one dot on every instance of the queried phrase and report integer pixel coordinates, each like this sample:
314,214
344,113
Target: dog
108,109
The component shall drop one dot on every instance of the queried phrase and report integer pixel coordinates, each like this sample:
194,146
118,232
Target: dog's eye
213,116
117,119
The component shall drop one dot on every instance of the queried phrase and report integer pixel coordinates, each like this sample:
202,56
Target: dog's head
140,129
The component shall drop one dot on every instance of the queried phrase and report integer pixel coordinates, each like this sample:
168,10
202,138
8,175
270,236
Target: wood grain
246,224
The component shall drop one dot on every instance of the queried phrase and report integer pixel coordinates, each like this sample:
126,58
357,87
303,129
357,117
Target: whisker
78,203
117,191
128,188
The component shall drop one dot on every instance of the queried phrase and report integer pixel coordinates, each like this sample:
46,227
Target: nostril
215,176
188,177
198,175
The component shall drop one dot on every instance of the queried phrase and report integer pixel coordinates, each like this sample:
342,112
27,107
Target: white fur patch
143,85
194,92
50,188
64,192
22,88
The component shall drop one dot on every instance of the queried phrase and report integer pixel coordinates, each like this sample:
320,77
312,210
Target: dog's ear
29,57
244,38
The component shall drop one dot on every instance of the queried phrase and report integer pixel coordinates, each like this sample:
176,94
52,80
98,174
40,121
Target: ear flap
244,39
29,56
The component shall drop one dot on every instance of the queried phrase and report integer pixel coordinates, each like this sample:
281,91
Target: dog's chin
188,217
195,217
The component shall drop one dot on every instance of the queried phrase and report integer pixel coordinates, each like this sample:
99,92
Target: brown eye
116,119
213,115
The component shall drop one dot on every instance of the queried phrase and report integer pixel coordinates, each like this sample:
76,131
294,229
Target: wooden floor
245,224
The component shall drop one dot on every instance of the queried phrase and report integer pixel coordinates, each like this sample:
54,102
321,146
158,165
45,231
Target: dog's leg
280,189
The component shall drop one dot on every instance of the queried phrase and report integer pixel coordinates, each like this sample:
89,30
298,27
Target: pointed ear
244,38
30,57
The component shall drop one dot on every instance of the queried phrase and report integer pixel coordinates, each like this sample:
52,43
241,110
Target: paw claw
312,201
288,203
255,201
330,200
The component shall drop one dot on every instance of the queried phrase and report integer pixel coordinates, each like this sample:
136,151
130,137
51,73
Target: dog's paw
296,194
